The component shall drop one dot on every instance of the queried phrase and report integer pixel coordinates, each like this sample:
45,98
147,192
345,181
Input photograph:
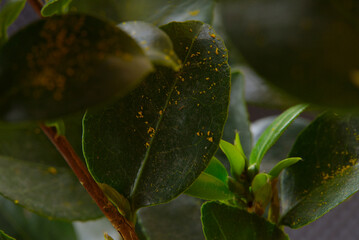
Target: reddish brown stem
36,5
121,224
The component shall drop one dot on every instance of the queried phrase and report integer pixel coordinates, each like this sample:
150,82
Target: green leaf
53,67
235,157
8,14
151,145
222,222
208,187
308,54
282,165
4,236
158,12
238,119
53,7
328,173
282,147
59,125
272,133
31,170
154,42
262,189
216,169
177,220
26,225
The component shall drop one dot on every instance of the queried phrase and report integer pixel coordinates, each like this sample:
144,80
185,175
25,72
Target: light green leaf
235,157
272,133
53,67
262,189
282,147
282,165
328,174
8,14
154,42
208,187
152,144
53,7
35,175
216,169
4,236
222,222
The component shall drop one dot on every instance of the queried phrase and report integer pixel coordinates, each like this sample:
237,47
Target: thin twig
122,225
36,5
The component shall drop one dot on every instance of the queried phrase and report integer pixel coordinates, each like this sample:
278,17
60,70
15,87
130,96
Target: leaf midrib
146,157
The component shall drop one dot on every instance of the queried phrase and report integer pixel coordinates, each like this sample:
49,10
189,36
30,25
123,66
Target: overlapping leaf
154,42
273,132
328,173
224,222
34,174
176,220
151,145
63,64
22,224
8,14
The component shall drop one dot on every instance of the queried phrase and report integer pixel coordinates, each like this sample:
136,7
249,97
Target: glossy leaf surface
279,167
157,12
221,222
33,173
54,66
22,224
235,158
8,14
273,132
216,169
151,145
282,147
311,54
177,220
328,173
208,187
154,42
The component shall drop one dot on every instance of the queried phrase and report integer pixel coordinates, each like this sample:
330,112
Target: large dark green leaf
328,173
177,220
154,42
158,11
152,144
222,222
22,224
63,64
311,53
8,14
35,175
